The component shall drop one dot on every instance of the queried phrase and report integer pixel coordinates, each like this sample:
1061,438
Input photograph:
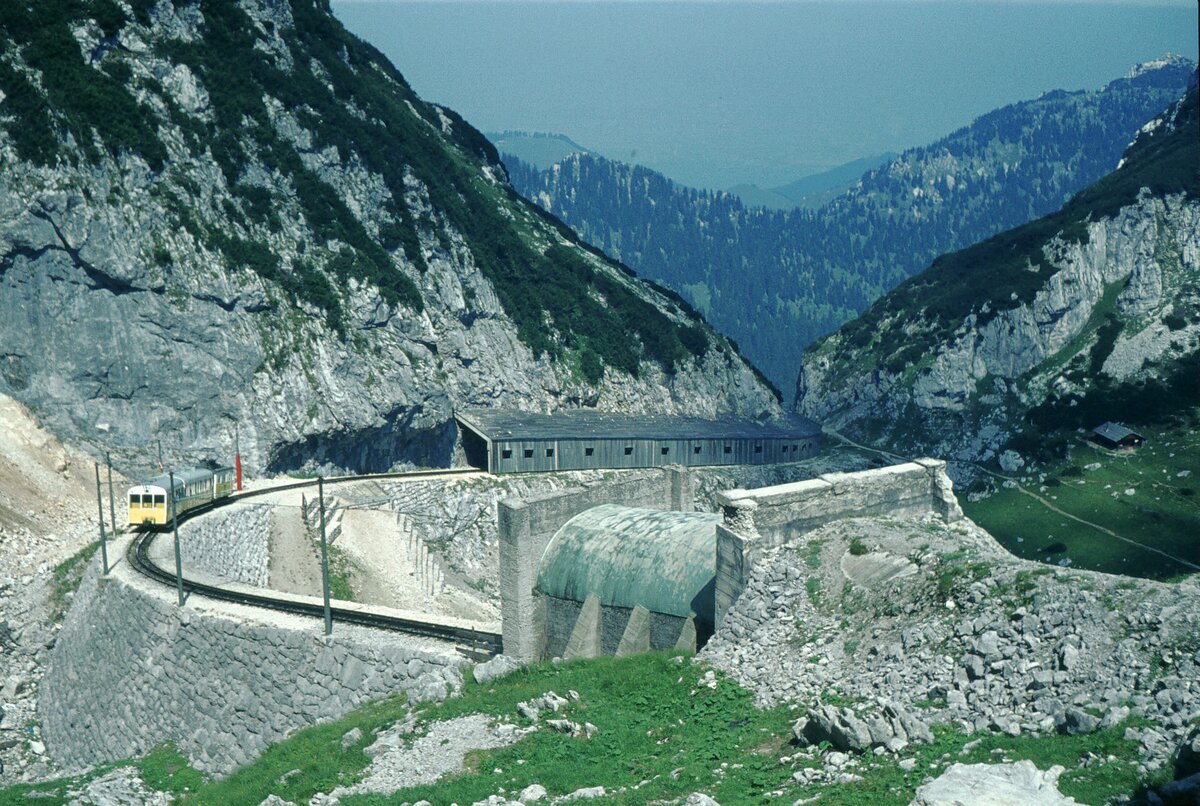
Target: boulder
532,793
845,730
700,799
1076,722
496,667
1187,758
1018,784
351,737
1184,792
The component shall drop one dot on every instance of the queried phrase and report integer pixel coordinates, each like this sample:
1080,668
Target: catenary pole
112,501
100,508
175,527
324,558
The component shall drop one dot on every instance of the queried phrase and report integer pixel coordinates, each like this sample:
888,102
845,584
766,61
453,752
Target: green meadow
1147,496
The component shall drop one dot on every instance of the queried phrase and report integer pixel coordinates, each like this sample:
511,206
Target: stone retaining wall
131,670
768,517
232,543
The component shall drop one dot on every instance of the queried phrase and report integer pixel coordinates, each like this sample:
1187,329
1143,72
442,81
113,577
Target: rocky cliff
1090,314
238,214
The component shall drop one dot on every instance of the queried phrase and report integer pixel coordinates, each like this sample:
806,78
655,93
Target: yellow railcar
152,503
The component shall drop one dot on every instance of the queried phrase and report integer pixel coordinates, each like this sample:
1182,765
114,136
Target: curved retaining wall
232,542
131,670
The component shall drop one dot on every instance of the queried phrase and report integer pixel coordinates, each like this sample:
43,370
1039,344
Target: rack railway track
474,644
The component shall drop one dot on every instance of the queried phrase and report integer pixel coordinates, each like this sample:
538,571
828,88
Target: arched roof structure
664,561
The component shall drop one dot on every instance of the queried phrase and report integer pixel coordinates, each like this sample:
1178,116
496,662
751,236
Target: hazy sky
718,93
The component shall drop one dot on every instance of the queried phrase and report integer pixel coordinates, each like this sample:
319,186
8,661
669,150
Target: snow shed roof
509,424
664,561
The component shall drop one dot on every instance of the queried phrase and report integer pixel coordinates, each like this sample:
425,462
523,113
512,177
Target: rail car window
160,500
147,499
135,500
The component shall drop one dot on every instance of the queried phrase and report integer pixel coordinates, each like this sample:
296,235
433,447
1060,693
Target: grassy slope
657,724
1163,512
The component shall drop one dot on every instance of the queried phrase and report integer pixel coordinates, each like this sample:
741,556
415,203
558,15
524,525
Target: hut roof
1115,432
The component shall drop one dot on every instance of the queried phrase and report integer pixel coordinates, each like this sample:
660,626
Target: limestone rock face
317,278
968,396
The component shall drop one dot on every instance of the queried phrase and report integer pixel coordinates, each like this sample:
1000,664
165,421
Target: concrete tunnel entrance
645,571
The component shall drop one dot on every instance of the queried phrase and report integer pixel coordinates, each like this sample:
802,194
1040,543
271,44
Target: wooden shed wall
526,456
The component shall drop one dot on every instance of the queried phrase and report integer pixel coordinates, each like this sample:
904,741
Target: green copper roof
664,561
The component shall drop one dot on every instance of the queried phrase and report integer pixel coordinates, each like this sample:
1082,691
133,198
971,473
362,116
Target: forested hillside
777,280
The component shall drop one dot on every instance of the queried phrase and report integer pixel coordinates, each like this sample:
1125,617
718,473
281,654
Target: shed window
758,448
629,450
696,450
728,449
506,453
549,452
529,453
665,450
588,451
795,448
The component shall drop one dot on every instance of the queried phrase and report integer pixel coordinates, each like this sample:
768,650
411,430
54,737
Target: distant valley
775,281
811,191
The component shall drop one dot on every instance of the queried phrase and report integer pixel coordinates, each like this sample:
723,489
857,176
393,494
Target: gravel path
429,758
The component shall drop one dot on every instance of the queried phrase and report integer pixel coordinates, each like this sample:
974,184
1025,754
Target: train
150,503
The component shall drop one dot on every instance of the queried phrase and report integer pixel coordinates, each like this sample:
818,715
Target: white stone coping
830,482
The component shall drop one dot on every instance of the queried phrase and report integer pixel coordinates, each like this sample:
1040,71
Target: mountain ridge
804,273
1007,347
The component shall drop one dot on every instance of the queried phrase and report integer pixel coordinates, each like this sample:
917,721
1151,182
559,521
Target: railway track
474,644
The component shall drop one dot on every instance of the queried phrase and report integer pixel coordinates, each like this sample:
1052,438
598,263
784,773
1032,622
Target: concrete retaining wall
762,519
526,527
231,543
131,670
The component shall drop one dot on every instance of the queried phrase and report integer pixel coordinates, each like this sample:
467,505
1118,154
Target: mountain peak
1173,60
1165,69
